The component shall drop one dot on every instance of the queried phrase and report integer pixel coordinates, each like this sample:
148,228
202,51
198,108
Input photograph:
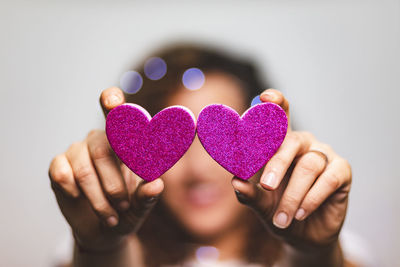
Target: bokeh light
193,78
131,82
155,68
207,254
256,100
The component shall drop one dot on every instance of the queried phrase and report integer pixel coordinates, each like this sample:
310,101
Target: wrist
118,256
100,246
328,255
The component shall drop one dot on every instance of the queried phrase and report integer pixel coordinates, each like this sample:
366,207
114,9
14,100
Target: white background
337,62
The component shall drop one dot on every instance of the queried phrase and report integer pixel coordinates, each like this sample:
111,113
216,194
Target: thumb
255,197
143,200
111,98
275,96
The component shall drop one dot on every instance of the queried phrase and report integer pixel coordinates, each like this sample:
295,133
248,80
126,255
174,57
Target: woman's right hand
102,200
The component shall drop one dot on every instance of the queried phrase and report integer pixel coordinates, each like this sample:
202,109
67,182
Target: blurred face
198,190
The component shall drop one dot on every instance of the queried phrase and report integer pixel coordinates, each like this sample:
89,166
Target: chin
208,224
206,209
205,228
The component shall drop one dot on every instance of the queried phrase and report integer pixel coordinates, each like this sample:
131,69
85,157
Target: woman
289,214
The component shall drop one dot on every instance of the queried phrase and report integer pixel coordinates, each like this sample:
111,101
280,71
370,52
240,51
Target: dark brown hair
161,236
180,57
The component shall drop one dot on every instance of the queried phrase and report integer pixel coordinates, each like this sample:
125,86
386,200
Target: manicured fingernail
151,200
237,192
269,180
113,100
281,220
242,198
124,205
112,221
300,214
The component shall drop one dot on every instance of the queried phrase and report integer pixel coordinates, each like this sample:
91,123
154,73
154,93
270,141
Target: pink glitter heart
242,145
150,146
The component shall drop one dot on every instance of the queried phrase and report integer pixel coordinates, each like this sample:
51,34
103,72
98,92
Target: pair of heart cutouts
240,144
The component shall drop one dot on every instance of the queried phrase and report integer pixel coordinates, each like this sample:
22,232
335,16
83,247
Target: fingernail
124,205
112,221
300,214
237,192
151,200
269,180
113,100
281,220
269,96
242,198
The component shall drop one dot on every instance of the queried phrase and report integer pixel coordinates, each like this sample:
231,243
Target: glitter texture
150,146
242,145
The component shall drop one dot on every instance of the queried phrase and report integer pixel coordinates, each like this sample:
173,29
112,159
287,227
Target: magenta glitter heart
242,145
150,146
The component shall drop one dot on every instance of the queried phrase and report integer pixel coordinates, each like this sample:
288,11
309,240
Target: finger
337,175
254,196
143,200
108,169
111,98
275,96
86,177
305,172
61,175
131,179
295,143
148,190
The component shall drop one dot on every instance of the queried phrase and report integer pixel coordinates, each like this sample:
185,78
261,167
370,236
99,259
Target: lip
202,195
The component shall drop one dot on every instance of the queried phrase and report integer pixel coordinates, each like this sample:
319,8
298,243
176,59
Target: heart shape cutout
242,145
150,146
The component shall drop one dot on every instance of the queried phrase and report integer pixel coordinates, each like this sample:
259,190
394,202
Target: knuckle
82,173
333,181
294,137
102,208
309,165
278,163
290,201
100,152
311,203
61,175
57,170
115,191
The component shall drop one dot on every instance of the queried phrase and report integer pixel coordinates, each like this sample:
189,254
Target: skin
304,202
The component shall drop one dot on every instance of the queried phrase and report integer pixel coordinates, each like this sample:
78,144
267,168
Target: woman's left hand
302,195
